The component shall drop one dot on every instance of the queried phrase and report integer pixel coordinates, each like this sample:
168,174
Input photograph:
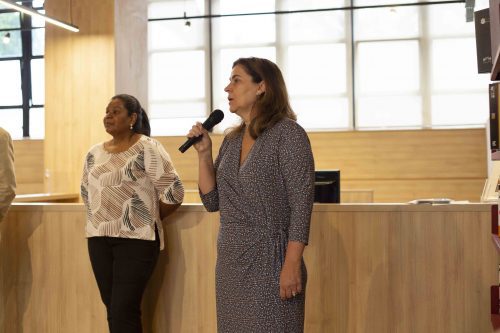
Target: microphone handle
191,141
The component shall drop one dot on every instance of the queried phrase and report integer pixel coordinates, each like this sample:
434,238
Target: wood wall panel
82,72
371,268
79,80
403,190
398,166
28,161
416,154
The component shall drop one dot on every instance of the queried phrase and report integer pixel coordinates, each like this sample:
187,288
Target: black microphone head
215,117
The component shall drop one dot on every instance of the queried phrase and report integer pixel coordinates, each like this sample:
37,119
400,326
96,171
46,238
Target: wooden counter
48,197
372,268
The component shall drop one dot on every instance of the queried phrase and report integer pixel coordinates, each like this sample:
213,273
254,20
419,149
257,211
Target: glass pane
38,3
177,110
449,20
38,47
259,29
454,65
385,23
164,35
38,22
312,4
245,6
325,75
174,8
177,75
37,123
38,81
11,120
10,84
389,111
173,126
312,27
9,20
10,44
463,109
482,4
229,31
388,67
321,113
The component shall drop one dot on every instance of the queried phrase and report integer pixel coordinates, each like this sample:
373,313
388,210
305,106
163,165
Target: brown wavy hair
273,105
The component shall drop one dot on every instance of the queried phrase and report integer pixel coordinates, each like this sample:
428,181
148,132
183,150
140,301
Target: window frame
424,39
25,59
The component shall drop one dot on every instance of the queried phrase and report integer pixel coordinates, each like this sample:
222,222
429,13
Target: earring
131,126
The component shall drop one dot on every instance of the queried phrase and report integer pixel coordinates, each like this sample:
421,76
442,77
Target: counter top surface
359,207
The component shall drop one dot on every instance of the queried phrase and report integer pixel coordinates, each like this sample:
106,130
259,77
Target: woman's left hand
290,279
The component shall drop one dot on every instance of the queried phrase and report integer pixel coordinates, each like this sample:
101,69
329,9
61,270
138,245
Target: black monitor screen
327,186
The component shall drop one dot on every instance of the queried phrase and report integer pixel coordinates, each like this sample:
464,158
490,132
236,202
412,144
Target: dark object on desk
327,186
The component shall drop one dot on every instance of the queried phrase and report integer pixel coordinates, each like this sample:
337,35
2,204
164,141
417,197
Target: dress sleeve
7,176
161,171
211,199
297,167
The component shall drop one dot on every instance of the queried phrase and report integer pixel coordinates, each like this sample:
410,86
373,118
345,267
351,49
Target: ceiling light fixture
34,13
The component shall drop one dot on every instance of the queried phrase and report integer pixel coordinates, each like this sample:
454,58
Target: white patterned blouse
121,191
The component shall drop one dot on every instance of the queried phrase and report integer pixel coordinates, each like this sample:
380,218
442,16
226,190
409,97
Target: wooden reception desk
372,268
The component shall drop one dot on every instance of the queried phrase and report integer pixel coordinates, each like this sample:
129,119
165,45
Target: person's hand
290,279
205,144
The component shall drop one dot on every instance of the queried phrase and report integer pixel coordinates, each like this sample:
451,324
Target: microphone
215,117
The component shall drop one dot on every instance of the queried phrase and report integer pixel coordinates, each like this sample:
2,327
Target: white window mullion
425,69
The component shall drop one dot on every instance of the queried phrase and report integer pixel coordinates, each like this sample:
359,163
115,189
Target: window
456,90
22,92
374,68
178,79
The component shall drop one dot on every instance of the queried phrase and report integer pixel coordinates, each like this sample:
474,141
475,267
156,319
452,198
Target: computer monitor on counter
327,186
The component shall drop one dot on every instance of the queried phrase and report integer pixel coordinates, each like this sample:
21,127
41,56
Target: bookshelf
491,190
495,38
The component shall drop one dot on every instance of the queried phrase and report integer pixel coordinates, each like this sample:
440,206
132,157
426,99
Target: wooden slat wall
371,268
397,165
82,72
28,161
79,81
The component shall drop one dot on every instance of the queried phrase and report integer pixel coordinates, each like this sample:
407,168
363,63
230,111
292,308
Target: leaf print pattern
85,198
121,191
140,209
90,161
126,218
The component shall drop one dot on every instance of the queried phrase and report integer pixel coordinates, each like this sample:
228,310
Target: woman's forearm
294,252
206,173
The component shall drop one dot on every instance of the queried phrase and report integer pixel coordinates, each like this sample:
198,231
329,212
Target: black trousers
122,268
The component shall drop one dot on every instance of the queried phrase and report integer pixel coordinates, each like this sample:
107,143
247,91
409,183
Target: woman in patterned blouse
128,185
262,182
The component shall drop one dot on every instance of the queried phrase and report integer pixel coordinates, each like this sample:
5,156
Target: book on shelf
494,90
483,40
